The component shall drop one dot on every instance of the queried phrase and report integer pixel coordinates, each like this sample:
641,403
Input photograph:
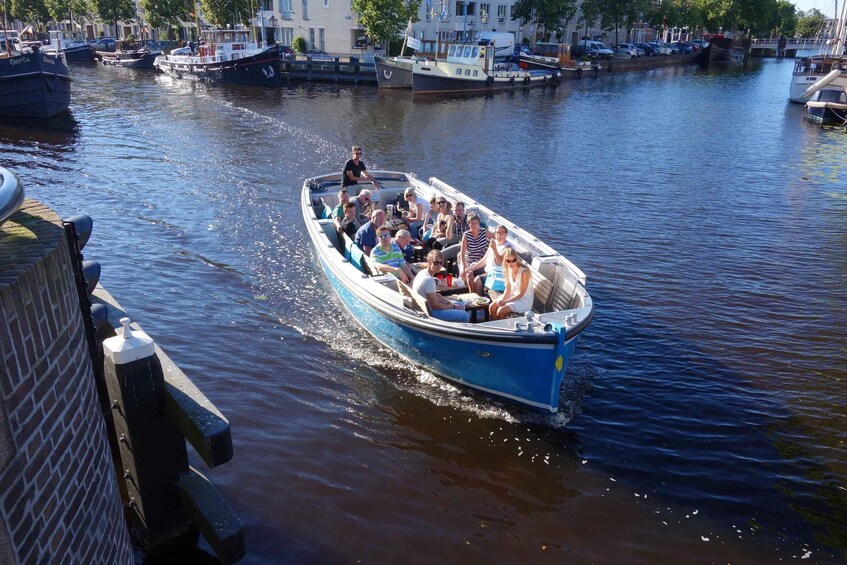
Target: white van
595,50
504,43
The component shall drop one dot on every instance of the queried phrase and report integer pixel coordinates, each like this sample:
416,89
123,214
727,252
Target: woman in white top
494,262
519,293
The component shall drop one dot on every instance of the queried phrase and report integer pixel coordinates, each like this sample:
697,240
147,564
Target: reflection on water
703,423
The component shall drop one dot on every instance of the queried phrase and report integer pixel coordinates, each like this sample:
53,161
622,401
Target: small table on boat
458,287
395,225
473,304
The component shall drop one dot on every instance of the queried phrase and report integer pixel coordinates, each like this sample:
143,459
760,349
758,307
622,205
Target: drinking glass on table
389,209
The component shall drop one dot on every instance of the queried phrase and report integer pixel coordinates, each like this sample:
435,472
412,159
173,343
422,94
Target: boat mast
5,32
840,29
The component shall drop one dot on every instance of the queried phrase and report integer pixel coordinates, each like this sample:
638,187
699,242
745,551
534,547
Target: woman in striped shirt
474,248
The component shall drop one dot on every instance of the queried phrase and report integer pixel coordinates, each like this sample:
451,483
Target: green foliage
60,9
29,10
165,13
385,19
114,10
810,23
785,19
299,44
551,15
222,12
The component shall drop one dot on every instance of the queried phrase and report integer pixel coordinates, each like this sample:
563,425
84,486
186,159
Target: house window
305,9
268,5
311,36
286,35
287,9
322,38
501,13
484,10
470,10
511,11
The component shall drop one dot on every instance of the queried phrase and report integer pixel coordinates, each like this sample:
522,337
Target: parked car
104,44
649,50
626,51
592,50
661,47
682,47
164,45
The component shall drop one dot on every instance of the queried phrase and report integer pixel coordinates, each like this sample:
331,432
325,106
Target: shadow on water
59,132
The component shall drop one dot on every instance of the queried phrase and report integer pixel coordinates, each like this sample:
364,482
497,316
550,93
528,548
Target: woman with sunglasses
355,170
519,294
425,285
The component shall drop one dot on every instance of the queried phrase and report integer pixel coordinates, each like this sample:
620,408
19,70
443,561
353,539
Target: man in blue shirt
366,236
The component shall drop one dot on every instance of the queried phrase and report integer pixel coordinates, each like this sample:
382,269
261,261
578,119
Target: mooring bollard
152,452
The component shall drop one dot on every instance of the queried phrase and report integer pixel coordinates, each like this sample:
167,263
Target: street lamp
272,21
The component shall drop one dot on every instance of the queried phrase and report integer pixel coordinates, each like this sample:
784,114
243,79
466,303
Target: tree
551,15
29,10
65,9
785,19
112,11
809,24
222,12
165,13
385,19
299,44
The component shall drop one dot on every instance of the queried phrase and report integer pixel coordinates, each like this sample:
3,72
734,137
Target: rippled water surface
706,419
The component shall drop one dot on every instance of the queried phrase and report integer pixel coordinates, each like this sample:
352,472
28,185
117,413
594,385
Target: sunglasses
437,262
511,260
357,153
442,202
385,236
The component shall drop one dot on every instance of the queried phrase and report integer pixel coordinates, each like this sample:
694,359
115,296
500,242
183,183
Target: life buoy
489,81
526,80
512,81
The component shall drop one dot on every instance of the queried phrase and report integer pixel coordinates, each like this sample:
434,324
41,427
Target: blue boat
34,84
521,359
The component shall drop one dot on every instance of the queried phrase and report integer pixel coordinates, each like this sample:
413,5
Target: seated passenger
366,236
363,206
389,258
493,276
428,219
349,223
519,293
473,251
425,285
338,211
414,216
457,225
439,228
403,239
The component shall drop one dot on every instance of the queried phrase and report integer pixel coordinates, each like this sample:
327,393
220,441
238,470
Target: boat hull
392,72
76,54
34,85
262,69
810,70
428,82
132,60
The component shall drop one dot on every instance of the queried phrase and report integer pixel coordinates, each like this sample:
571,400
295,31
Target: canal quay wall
644,63
58,490
94,417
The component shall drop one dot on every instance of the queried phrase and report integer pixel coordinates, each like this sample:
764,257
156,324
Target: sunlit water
705,422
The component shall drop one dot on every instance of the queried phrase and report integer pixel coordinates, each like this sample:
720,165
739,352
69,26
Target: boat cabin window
452,51
467,51
475,52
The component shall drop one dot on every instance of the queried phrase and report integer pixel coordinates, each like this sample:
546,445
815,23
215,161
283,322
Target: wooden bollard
152,451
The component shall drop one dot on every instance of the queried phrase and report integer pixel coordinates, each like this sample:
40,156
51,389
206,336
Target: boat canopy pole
5,32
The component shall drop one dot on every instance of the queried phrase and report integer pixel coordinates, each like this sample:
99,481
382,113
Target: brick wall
59,499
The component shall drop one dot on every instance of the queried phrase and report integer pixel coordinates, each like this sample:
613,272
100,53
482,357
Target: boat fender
526,80
489,81
579,73
546,79
512,81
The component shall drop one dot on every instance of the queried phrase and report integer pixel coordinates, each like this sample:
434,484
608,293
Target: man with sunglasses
389,257
355,170
425,285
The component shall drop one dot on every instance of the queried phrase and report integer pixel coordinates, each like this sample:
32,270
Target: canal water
705,421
